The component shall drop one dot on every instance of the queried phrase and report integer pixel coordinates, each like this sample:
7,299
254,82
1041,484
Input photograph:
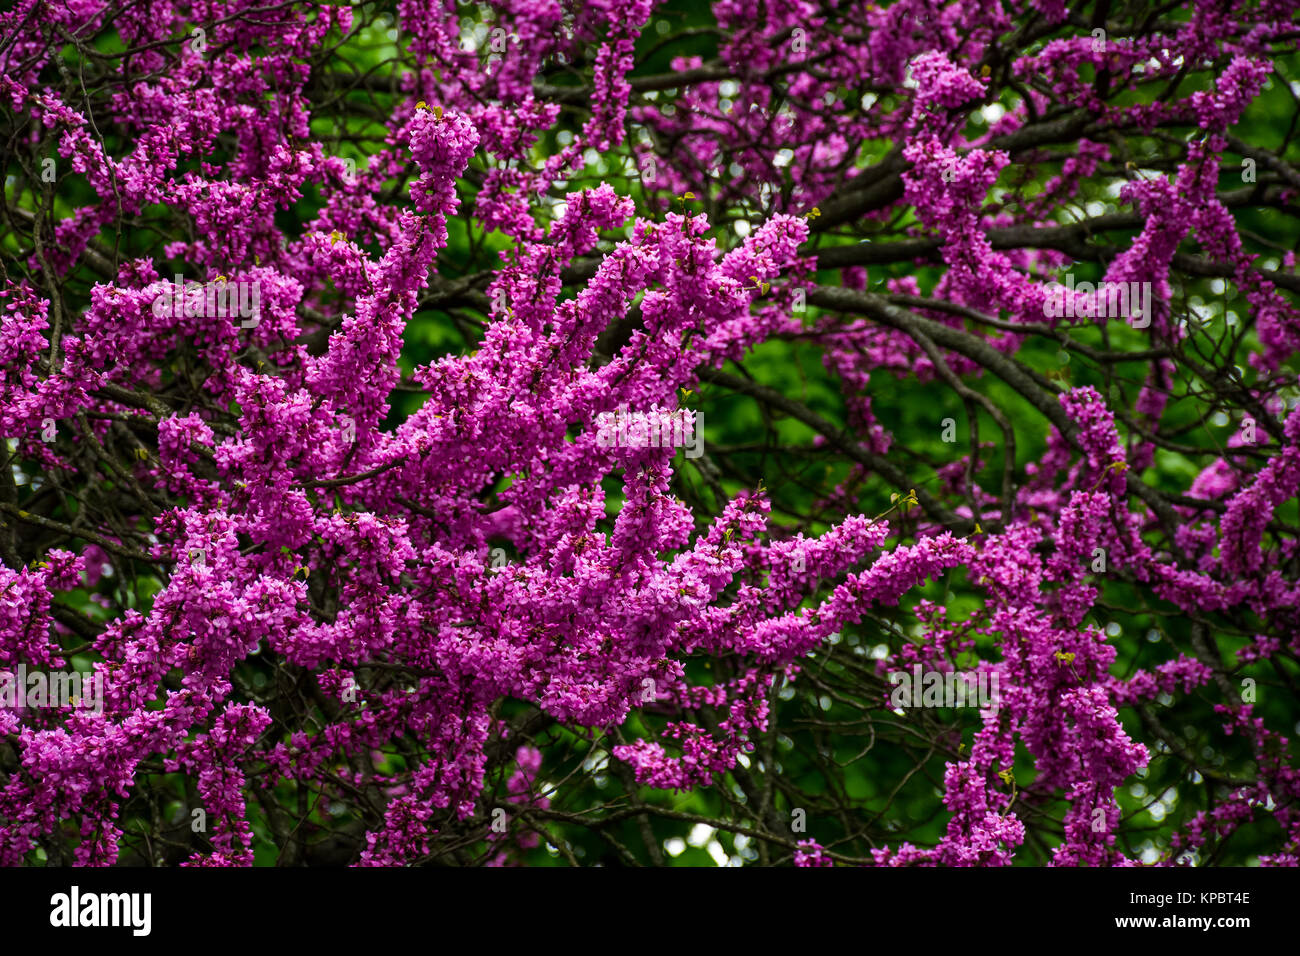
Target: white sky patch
700,835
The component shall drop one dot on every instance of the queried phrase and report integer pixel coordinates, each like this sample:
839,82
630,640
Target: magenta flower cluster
313,489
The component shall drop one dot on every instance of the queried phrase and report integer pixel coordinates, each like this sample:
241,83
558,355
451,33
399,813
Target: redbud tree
331,339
